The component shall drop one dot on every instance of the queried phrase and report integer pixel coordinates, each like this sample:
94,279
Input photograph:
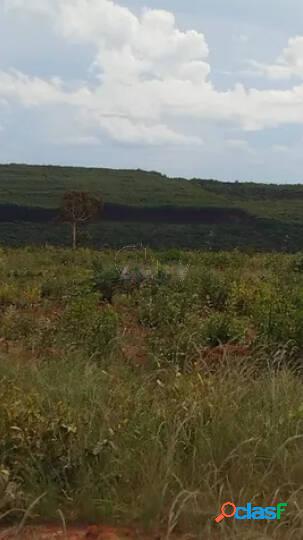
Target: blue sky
202,88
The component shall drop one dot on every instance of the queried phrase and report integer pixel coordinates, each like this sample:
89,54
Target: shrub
112,280
212,287
164,306
242,297
273,315
9,294
222,328
106,281
88,325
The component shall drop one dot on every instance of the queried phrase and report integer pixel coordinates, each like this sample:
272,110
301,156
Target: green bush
106,281
88,325
223,328
212,286
164,306
9,294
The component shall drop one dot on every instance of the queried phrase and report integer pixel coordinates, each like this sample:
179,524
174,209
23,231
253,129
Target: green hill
44,186
275,211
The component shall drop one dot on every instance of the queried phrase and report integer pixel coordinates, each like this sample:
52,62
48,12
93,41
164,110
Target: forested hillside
172,212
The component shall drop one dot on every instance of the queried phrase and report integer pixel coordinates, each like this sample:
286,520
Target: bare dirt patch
134,340
78,533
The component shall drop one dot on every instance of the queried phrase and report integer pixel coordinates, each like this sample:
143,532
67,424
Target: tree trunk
74,235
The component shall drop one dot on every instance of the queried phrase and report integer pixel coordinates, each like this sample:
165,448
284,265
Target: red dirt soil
76,533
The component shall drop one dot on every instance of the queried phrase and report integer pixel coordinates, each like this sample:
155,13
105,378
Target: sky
191,88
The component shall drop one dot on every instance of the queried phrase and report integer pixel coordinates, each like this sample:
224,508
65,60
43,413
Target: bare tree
79,208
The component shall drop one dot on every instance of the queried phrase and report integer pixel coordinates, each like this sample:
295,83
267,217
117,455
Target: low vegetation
150,387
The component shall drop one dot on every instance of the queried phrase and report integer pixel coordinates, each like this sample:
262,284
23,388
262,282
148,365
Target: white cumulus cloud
288,64
38,6
150,76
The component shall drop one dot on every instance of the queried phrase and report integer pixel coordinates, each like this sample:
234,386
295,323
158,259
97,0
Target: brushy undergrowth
149,390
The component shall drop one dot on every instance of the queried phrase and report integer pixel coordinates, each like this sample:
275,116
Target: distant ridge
150,208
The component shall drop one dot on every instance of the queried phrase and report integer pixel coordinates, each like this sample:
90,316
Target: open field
147,388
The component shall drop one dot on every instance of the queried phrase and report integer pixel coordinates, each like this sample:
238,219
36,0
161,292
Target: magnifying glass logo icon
228,513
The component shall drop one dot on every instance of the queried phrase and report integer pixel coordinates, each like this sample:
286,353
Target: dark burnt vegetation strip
117,212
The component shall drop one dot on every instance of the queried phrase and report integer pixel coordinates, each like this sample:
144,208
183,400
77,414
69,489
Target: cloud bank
147,77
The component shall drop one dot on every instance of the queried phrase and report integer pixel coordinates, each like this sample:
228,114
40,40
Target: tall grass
123,445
